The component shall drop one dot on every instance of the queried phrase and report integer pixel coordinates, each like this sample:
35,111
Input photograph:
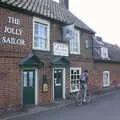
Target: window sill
41,49
75,53
105,86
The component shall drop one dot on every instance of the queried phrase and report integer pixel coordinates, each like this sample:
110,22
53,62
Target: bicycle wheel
78,99
89,97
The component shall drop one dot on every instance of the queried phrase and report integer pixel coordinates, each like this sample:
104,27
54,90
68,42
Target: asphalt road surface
103,108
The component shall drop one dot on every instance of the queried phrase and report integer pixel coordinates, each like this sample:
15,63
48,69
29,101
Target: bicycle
79,97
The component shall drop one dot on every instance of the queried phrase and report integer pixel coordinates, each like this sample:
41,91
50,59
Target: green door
28,87
58,80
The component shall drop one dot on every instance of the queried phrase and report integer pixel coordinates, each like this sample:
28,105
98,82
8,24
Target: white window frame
48,33
104,50
74,68
108,80
78,40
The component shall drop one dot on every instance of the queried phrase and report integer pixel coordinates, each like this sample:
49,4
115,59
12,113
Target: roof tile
21,4
50,9
27,4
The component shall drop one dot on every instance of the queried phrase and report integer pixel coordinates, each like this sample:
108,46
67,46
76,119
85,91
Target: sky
101,15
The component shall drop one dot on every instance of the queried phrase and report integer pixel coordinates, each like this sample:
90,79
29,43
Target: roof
31,60
60,61
113,51
49,9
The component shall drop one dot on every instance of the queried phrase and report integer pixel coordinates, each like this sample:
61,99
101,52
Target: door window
58,80
28,79
25,79
58,77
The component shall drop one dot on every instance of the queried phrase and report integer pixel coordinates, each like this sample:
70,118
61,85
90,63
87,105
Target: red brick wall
114,70
10,81
85,52
10,55
25,25
45,97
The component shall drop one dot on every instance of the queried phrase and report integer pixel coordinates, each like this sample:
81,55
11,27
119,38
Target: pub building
43,50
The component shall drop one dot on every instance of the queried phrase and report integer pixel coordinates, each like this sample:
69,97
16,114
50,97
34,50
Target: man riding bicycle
84,83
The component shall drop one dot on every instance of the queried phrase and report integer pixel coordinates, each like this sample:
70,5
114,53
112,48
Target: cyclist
84,83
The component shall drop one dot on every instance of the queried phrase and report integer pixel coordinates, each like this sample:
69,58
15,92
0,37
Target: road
104,108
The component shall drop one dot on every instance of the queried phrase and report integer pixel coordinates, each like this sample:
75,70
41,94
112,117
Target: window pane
73,87
78,76
104,52
77,81
36,29
72,82
78,72
36,42
75,72
40,36
30,79
74,76
74,43
78,86
55,75
106,79
71,76
25,79
71,71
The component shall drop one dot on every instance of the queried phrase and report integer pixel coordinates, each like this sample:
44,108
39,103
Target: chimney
64,3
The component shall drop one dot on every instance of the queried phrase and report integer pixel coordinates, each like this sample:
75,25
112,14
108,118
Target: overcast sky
103,16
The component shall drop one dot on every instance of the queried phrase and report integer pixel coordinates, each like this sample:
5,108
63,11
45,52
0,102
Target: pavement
55,105
106,107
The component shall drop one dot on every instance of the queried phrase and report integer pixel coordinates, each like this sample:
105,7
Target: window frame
106,85
43,22
80,71
78,41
